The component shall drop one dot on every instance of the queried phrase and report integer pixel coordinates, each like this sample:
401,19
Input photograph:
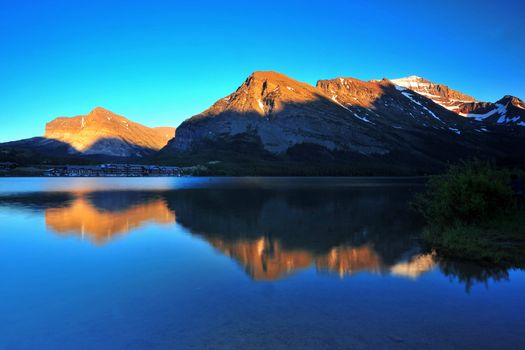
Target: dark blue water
247,263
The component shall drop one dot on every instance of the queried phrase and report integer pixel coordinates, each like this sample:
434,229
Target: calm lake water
245,263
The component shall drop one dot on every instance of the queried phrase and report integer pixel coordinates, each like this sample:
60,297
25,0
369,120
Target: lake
238,263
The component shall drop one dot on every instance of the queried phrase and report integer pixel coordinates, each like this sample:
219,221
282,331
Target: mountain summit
264,93
106,133
509,111
439,93
278,113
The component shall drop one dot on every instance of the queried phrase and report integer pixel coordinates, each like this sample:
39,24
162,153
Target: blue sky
159,62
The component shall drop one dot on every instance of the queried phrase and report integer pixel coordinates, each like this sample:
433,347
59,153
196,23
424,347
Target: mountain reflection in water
270,232
83,217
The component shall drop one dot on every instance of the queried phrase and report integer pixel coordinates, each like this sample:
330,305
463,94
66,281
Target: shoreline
233,176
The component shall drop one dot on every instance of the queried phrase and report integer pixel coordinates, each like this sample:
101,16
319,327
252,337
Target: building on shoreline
135,170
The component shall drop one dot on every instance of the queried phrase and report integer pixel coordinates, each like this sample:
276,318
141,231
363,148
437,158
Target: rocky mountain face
102,132
343,120
279,112
439,93
381,102
508,111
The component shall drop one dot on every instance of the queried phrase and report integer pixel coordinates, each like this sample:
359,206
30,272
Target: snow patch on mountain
412,81
411,98
261,106
502,110
365,119
481,117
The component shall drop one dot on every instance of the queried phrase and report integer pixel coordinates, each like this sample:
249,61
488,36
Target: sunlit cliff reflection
416,266
83,218
266,259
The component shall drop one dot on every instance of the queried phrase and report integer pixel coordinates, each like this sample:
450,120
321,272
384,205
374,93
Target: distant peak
439,93
265,73
268,75
102,113
104,131
99,110
510,99
414,77
409,79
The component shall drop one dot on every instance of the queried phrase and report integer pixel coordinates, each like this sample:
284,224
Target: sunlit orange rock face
82,218
104,132
353,92
165,133
265,93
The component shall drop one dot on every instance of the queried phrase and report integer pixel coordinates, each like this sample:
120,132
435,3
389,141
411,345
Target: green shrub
469,193
471,215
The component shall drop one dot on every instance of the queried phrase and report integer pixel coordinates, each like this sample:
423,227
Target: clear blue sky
159,62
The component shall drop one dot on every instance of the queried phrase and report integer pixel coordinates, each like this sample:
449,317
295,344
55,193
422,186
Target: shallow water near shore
248,263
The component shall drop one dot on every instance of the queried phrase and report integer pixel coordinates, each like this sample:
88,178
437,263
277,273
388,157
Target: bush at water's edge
471,214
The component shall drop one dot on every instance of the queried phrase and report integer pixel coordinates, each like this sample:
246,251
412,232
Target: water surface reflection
270,230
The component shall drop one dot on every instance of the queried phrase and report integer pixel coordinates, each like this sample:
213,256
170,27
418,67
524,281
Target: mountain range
274,124
506,111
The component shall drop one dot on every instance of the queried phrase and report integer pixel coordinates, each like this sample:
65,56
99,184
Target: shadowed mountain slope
340,122
280,112
509,111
